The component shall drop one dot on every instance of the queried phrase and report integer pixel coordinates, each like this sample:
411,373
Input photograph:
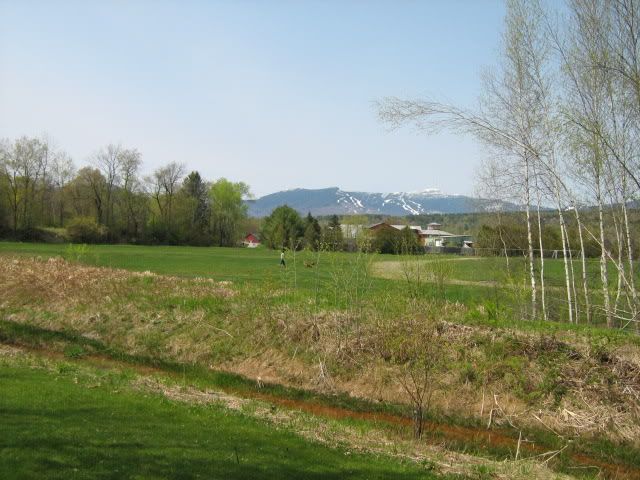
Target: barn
251,241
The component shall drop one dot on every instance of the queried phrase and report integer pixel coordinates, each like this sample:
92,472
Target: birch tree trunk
566,267
540,245
572,276
532,273
604,276
563,229
617,228
634,293
585,286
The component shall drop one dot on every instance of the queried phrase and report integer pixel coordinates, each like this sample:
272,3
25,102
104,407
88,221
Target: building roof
428,232
402,227
437,233
373,225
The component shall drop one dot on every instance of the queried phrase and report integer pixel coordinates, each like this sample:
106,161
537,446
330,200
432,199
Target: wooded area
110,200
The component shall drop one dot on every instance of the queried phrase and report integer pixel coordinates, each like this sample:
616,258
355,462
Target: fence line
500,252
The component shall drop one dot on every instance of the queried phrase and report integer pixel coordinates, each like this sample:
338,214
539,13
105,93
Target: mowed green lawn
244,266
494,269
239,264
220,263
234,264
56,427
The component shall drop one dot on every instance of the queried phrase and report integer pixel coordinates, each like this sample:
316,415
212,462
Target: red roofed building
251,241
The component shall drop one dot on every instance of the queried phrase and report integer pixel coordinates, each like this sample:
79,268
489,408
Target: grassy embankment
158,409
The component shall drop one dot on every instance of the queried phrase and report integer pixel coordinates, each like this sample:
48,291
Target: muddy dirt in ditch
437,433
440,433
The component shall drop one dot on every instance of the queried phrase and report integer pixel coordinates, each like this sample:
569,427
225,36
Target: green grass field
244,264
469,280
239,265
235,264
67,424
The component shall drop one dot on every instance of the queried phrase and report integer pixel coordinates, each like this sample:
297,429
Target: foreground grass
360,432
236,264
182,321
82,352
63,425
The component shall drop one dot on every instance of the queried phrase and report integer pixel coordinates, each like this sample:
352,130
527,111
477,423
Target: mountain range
329,201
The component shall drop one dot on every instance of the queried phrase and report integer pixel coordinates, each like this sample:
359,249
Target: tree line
110,200
285,228
559,116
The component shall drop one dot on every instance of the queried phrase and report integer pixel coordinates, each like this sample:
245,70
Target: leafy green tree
333,236
283,228
312,232
87,191
85,230
387,240
409,243
228,210
22,164
4,205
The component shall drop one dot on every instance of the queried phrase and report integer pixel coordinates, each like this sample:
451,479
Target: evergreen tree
408,242
198,209
333,236
312,232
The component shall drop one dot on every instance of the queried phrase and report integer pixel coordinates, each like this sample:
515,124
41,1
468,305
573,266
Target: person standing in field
282,262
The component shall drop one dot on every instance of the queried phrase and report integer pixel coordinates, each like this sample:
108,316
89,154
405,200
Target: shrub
74,351
468,373
85,230
387,240
34,234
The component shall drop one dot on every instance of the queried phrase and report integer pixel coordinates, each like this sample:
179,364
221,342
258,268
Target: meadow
221,321
470,280
259,264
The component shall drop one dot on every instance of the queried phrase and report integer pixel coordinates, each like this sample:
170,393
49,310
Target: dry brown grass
57,281
119,307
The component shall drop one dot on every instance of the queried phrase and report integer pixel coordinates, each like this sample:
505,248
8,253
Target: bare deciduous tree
414,346
164,184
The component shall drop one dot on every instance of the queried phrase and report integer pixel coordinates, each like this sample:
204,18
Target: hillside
328,201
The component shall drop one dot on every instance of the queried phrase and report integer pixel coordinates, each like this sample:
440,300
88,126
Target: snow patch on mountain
329,201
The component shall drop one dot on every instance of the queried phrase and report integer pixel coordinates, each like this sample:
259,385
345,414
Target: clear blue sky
278,94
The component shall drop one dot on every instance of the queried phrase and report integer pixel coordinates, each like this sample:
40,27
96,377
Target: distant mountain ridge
330,201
